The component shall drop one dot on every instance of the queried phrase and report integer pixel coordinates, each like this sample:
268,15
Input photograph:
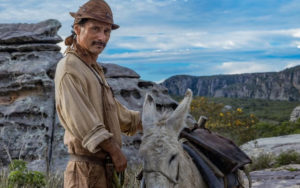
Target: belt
84,158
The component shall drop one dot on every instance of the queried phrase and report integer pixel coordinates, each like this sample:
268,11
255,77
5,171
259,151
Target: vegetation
264,129
243,120
232,123
265,110
264,161
18,176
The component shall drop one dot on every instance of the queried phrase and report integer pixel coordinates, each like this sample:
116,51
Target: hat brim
113,26
73,14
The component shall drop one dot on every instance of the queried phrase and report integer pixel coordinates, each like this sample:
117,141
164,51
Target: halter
175,182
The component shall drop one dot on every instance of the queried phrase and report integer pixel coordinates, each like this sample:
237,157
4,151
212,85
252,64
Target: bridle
175,182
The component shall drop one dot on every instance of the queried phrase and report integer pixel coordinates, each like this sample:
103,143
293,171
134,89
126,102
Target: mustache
101,43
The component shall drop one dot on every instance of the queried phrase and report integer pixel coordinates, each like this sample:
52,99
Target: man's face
93,35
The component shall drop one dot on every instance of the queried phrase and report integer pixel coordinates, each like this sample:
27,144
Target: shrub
20,176
264,129
232,123
263,161
289,157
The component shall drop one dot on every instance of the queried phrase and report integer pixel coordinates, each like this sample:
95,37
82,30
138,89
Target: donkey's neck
189,175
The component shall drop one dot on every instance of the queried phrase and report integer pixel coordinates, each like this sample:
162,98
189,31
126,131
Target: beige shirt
79,106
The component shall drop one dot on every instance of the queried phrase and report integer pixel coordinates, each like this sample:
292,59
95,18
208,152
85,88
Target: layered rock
295,115
283,177
273,145
28,57
284,85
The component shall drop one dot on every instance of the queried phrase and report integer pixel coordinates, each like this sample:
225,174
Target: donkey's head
160,148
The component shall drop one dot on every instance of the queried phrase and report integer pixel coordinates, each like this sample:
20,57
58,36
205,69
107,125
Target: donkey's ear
149,111
177,120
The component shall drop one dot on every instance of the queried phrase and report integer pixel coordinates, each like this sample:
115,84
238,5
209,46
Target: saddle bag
221,154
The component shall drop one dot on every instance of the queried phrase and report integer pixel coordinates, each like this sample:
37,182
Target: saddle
217,158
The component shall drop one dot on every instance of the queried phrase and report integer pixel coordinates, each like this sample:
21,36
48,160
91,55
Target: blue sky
162,38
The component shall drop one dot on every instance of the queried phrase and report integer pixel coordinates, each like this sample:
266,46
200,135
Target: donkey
166,165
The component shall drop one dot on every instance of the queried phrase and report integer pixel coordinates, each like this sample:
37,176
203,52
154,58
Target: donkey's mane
162,117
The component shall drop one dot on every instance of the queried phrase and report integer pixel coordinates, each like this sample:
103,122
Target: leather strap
90,159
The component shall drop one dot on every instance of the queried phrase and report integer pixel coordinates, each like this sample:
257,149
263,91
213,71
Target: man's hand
115,152
140,127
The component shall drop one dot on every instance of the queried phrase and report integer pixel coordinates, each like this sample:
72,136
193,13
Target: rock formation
28,57
287,176
273,145
29,127
284,85
295,115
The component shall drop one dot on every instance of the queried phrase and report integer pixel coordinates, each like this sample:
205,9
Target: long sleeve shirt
79,104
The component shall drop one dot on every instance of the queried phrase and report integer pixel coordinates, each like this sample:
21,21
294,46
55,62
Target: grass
290,157
52,181
57,180
258,118
264,161
265,110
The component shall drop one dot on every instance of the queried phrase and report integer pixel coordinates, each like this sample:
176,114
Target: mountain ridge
282,85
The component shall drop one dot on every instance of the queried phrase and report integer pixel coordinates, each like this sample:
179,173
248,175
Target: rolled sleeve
79,115
129,119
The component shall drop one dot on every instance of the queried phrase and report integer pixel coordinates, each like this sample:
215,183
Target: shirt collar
83,54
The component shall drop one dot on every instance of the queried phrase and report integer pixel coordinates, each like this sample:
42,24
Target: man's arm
116,154
130,120
78,115
81,120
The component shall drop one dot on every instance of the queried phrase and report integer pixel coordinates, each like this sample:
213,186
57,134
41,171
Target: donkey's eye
172,158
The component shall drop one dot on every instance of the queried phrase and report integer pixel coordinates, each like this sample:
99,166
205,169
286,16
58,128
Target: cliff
283,85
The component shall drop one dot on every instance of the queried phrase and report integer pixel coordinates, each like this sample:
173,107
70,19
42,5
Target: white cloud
296,43
62,46
244,67
172,38
160,81
292,64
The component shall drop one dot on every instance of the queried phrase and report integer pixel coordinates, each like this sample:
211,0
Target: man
93,119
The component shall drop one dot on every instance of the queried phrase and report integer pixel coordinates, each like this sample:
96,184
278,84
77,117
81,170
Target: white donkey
166,165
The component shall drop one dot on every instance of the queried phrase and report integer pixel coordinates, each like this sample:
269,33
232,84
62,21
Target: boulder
283,177
117,71
23,33
28,57
295,115
273,145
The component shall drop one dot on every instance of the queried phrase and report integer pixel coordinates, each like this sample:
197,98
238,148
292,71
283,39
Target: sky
163,38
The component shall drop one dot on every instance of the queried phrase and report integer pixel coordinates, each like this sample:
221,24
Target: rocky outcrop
284,85
273,145
28,57
283,177
117,71
29,127
295,115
